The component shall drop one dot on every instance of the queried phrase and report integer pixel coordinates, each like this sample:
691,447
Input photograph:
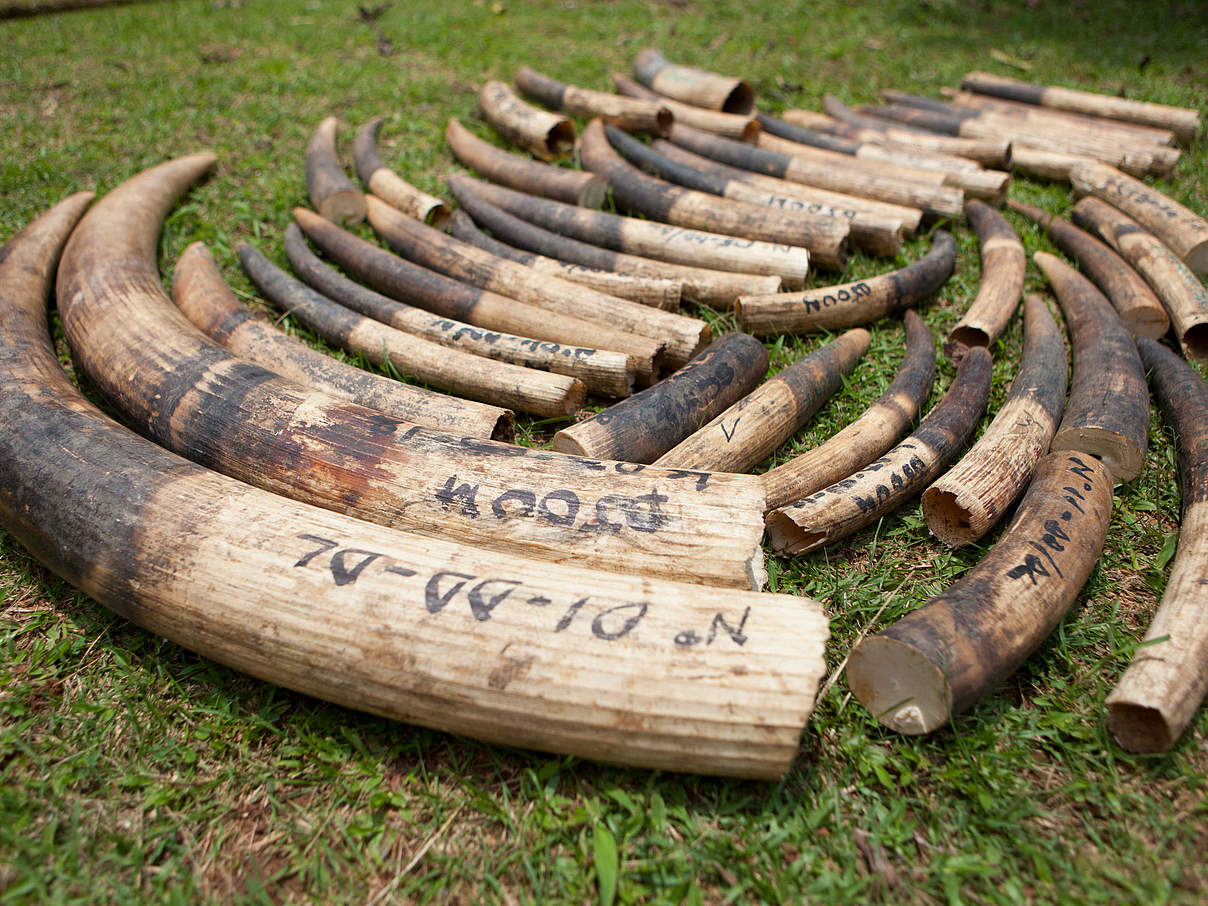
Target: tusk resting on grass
388,185
849,304
640,672
200,292
940,659
969,499
632,114
331,192
732,125
547,135
1003,264
691,85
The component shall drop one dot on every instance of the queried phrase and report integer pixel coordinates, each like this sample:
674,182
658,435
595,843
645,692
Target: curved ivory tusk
331,192
882,237
1003,264
547,135
969,499
630,235
547,337
200,292
849,304
870,435
634,114
938,201
1108,410
709,287
522,174
651,422
732,125
691,85
1182,231
657,292
184,391
682,336
1159,693
826,238
848,162
388,185
940,659
1131,296
884,485
501,383
432,632
750,431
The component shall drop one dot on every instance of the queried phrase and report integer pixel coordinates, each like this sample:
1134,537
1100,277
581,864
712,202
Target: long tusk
200,292
1003,265
331,192
633,114
641,672
691,85
388,185
969,499
547,135
732,125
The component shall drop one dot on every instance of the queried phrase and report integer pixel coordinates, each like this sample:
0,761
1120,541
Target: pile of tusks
386,547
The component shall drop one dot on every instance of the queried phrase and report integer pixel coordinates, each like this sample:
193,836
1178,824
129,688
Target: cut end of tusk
901,688
1139,728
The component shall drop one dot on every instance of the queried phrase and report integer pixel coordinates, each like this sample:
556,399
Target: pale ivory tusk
870,435
331,192
634,114
680,336
969,499
750,431
200,292
1183,231
182,390
1107,414
524,389
1166,682
877,235
1130,295
1003,264
517,652
940,659
1182,293
388,185
884,485
826,238
691,85
629,235
652,421
516,172
547,135
704,285
657,292
546,337
849,304
847,162
732,125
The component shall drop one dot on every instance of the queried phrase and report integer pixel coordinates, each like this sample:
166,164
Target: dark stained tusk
388,185
1107,414
331,606
704,285
200,292
547,135
940,659
681,336
849,162
749,432
1003,265
1131,296
651,422
826,238
522,174
849,304
486,380
331,192
870,435
657,292
550,341
732,125
633,114
691,85
1181,292
1165,684
1184,232
969,499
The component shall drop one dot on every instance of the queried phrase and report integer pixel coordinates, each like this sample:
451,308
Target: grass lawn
133,770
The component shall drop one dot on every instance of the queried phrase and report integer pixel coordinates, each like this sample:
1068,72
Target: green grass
132,770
